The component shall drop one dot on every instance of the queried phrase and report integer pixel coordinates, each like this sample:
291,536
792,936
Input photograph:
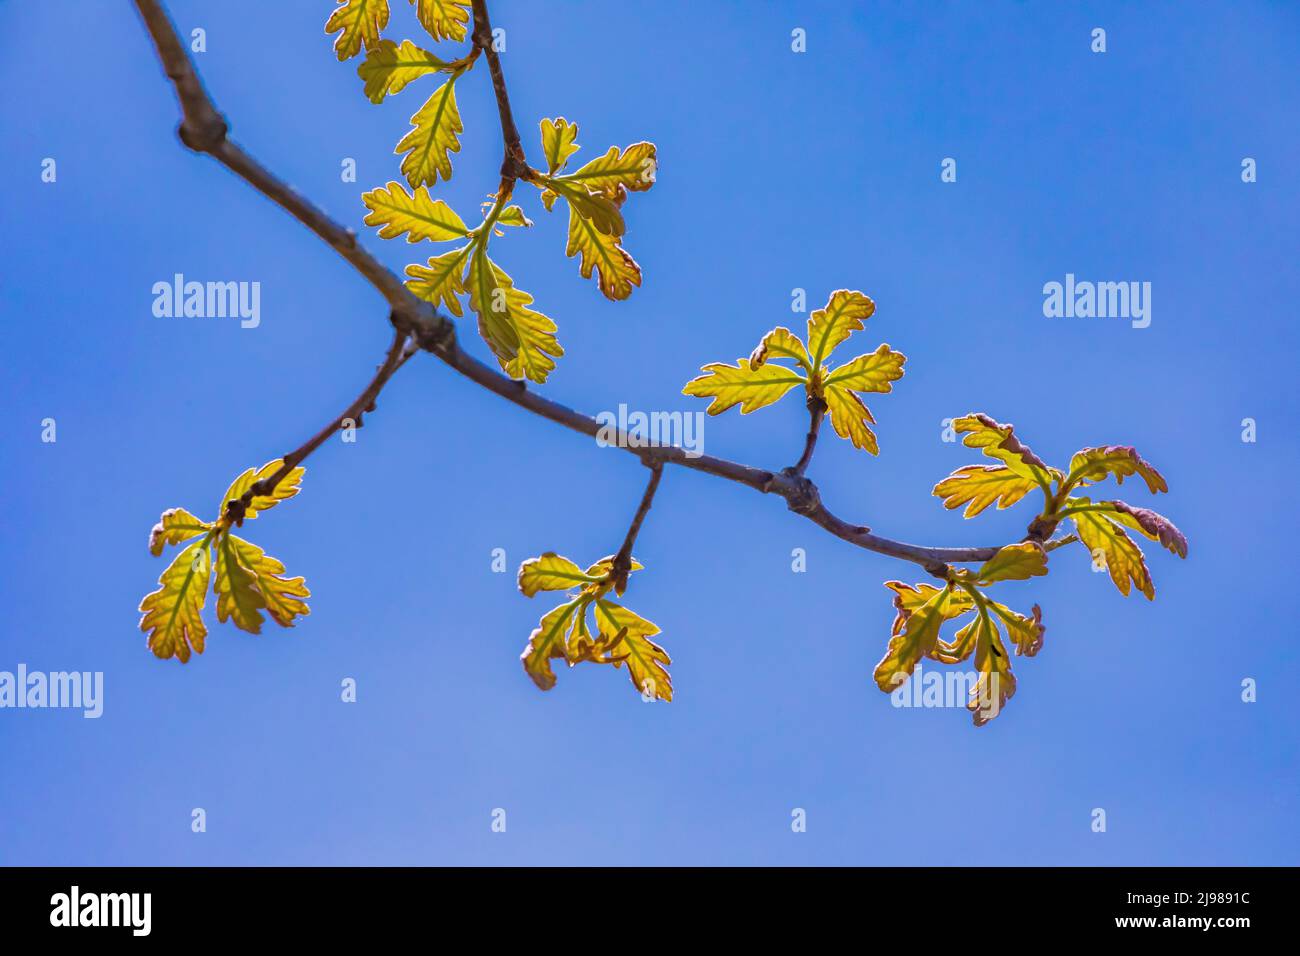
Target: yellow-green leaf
1102,536
739,384
440,281
999,441
844,314
602,212
513,216
281,596
433,138
777,344
522,340
551,572
547,642
417,214
1015,562
605,566
996,683
1094,464
172,616
1149,523
870,373
389,68
914,639
360,22
850,418
646,661
287,487
559,142
444,19
617,172
1026,633
238,598
978,486
175,525
618,272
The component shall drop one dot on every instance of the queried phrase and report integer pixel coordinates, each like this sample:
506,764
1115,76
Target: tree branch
816,412
203,129
623,560
514,165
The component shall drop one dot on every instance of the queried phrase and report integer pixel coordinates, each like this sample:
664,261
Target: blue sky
777,171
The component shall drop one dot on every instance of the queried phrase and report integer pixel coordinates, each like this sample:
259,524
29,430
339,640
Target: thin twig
203,129
514,165
623,560
816,412
353,415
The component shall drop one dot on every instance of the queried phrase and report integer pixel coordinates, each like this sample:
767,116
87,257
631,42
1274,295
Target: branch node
803,498
205,136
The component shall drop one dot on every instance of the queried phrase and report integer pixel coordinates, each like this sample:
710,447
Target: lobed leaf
522,340
417,215
287,487
618,272
780,343
999,441
875,372
646,661
618,172
281,596
559,142
843,315
552,572
750,388
444,19
175,525
915,636
850,418
1124,559
978,486
360,22
172,616
440,281
389,68
1155,526
1094,464
1015,562
433,138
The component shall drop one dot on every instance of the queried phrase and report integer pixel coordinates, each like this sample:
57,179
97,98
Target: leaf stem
623,560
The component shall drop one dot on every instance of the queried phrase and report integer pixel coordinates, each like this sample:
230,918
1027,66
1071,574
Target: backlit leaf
552,572
417,214
522,340
742,385
914,639
850,418
360,22
843,315
281,596
618,272
999,441
1094,464
238,598
996,683
444,19
546,643
1155,526
287,487
433,138
646,661
619,171
559,142
978,486
1015,562
175,525
172,617
869,373
1026,633
780,343
440,281
388,68
1124,559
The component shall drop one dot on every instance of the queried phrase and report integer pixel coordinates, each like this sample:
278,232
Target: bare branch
816,412
623,560
203,129
515,164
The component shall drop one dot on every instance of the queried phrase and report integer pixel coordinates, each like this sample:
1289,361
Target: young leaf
513,216
915,636
417,214
433,138
866,373
618,271
850,418
281,596
1094,464
1026,633
780,343
1155,526
741,384
360,21
444,19
559,142
843,315
996,683
551,572
999,441
617,172
1124,559
287,487
619,636
646,661
175,525
238,598
172,617
389,68
978,486
1015,562
440,281
522,340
